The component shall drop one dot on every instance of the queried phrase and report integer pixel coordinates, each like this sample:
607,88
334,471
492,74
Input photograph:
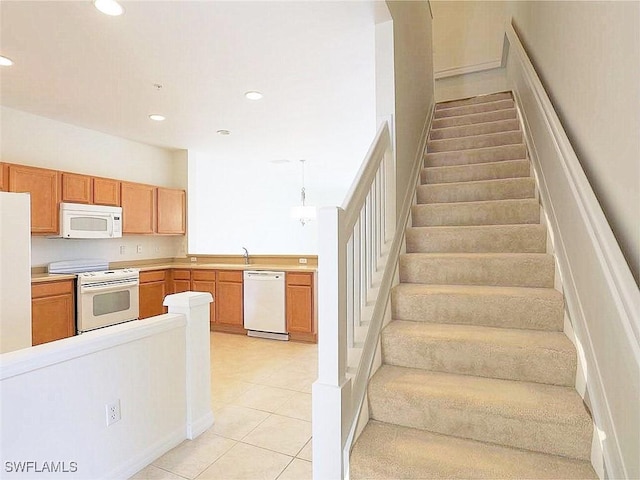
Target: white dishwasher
264,305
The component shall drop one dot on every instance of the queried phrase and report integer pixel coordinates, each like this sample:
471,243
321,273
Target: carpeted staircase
478,377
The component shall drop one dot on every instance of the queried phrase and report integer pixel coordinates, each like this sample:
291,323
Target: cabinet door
76,188
44,187
300,306
138,207
229,304
106,191
205,281
151,297
4,177
171,211
52,311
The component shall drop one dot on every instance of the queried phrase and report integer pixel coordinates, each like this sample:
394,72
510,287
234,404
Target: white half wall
40,142
54,396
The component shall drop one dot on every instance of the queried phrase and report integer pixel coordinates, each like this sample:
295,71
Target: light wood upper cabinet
44,187
76,188
171,211
138,207
106,191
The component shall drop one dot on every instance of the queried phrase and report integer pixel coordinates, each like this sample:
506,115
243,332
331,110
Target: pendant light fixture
303,212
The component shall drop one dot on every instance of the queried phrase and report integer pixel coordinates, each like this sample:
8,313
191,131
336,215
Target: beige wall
413,83
587,56
467,36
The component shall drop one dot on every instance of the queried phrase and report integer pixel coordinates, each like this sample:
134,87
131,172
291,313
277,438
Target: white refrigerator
15,271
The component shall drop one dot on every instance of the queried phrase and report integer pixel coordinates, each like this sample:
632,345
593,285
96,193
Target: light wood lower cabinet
180,281
227,288
299,305
52,311
230,302
153,289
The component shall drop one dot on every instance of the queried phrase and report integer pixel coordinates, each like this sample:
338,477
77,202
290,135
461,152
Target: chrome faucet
246,256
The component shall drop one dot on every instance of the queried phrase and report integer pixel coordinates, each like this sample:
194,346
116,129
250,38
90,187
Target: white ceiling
78,66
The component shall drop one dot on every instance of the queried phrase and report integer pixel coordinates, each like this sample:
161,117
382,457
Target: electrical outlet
302,260
123,249
139,248
194,259
113,412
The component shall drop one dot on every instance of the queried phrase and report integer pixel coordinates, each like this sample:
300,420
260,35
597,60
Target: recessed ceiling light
253,95
109,7
5,62
223,132
157,117
280,161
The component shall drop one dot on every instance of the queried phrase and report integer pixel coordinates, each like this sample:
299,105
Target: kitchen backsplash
127,248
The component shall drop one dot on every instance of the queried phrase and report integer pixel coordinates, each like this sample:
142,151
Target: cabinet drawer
203,275
299,278
50,289
182,274
154,276
230,276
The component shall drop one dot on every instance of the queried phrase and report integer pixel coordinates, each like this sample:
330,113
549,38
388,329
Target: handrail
359,246
353,246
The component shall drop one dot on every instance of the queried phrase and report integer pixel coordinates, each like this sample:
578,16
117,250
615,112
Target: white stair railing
358,248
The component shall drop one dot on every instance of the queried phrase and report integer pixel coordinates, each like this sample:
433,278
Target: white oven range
106,298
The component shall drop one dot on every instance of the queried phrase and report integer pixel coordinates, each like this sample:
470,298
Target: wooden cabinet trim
4,177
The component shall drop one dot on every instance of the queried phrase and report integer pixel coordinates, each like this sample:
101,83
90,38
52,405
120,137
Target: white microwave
90,221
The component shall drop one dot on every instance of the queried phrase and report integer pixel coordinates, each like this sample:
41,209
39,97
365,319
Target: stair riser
385,451
474,119
481,171
484,155
478,141
472,109
500,239
499,310
440,416
494,97
511,188
466,357
490,213
534,271
475,129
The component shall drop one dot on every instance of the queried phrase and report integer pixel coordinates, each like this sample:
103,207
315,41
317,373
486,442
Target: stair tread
482,140
386,451
474,172
426,289
486,98
474,150
475,255
513,354
463,110
538,339
545,404
463,131
474,119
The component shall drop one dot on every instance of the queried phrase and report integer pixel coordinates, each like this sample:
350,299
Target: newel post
195,306
331,391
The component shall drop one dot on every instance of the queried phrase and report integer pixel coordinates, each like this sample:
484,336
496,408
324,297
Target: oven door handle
108,287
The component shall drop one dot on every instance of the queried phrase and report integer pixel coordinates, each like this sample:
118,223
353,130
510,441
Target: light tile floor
261,399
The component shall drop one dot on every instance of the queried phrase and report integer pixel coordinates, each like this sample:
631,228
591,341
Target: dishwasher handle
262,275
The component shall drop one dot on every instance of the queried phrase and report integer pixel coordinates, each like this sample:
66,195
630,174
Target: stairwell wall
414,87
